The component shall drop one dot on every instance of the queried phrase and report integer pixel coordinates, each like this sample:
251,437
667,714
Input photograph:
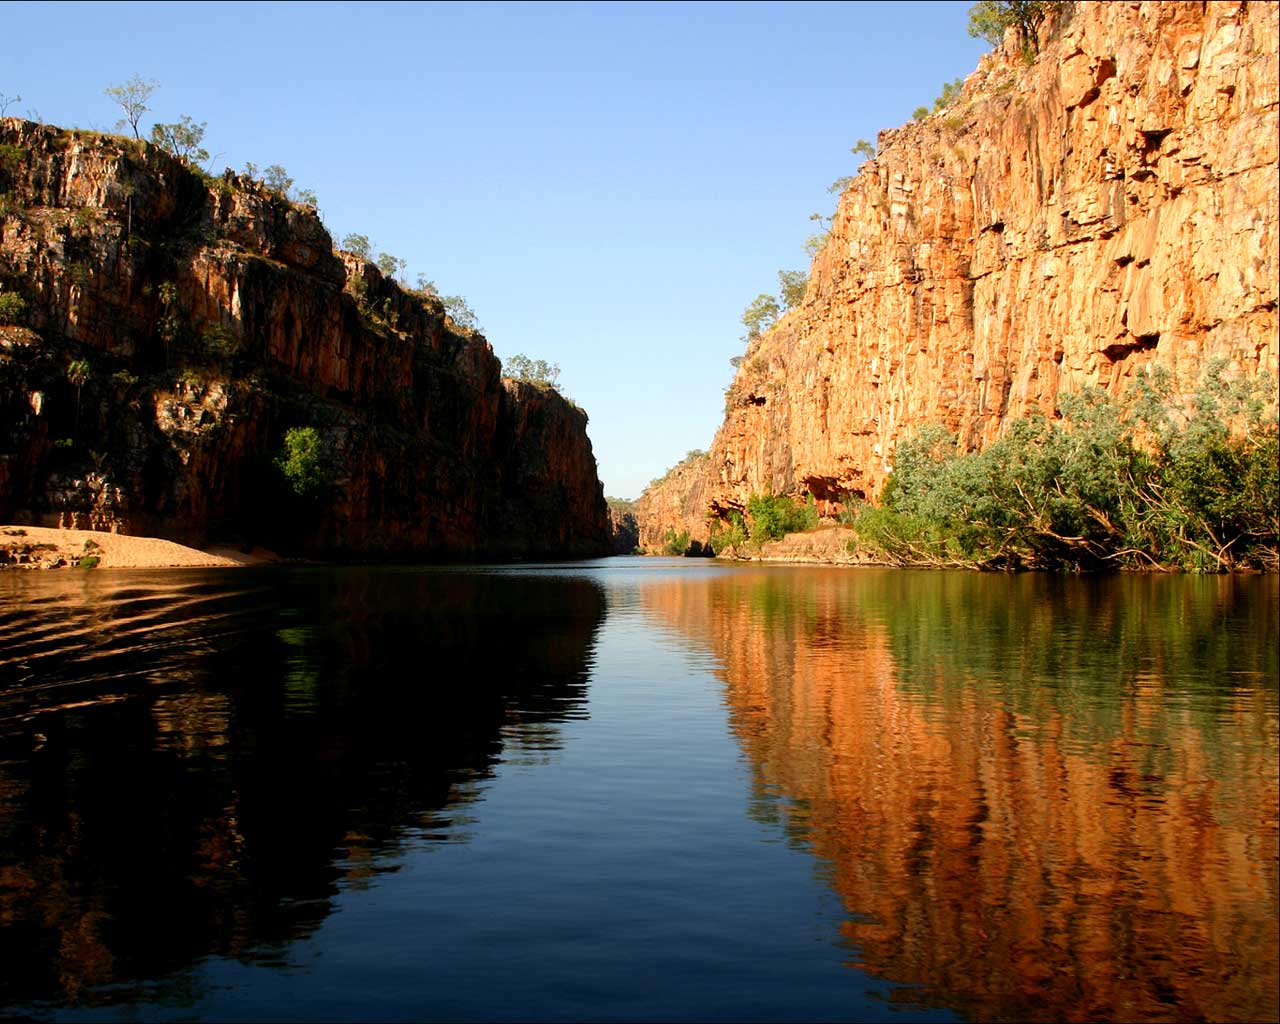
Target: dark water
637,789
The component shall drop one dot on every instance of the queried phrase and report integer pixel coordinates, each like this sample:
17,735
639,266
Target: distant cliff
161,332
1110,206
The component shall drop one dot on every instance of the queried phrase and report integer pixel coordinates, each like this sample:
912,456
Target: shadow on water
195,763
1038,798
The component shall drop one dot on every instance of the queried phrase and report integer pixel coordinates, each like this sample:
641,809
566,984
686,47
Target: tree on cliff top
182,139
760,315
132,97
533,371
988,19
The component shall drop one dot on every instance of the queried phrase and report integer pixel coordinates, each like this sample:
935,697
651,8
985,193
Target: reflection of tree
272,746
1039,798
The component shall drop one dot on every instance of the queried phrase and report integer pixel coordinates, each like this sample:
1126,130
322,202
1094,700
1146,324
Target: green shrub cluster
1161,480
675,543
305,462
769,517
775,515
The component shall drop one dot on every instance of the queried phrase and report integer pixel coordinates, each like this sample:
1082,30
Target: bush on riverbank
1161,480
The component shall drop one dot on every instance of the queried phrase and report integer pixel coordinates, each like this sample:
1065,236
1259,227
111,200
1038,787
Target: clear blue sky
608,185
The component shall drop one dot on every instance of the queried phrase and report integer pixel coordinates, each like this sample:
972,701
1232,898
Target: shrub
304,461
12,307
732,536
90,562
760,315
533,371
675,543
775,515
1140,483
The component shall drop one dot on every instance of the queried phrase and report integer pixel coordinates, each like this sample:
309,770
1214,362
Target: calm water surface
637,789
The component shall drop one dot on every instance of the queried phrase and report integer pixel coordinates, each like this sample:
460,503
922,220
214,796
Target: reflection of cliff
222,762
1028,808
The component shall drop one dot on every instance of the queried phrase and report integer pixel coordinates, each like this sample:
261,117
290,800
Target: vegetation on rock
304,462
1156,481
990,19
533,371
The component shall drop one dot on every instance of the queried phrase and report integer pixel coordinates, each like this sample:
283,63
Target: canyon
165,331
1066,222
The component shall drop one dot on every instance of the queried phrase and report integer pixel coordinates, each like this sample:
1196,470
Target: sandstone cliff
210,317
1110,206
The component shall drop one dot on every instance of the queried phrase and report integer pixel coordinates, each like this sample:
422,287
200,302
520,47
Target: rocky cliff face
211,316
1109,207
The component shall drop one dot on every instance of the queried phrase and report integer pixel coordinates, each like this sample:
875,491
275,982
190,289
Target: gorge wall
1110,206
169,329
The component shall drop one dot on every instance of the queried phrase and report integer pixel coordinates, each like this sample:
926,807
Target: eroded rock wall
1110,206
213,315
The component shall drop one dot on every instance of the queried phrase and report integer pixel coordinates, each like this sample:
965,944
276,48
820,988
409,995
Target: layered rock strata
212,316
1110,206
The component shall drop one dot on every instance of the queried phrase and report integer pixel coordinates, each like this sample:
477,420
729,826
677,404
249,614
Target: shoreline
50,548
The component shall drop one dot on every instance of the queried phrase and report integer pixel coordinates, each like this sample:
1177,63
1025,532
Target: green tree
427,287
864,149
950,93
78,373
461,313
841,183
814,244
391,266
304,462
132,97
533,371
277,179
358,245
760,315
11,307
989,19
793,284
182,139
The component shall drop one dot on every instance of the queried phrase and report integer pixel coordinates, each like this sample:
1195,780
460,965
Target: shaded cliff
207,318
1109,207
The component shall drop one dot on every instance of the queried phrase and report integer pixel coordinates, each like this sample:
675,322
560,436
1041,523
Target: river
627,789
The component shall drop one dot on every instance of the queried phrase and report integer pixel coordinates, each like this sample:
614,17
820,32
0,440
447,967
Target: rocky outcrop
212,316
1109,207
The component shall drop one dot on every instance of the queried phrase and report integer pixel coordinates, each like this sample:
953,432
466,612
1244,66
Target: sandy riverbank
36,546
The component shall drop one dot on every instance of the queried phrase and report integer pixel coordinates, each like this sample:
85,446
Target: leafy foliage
182,139
989,19
277,179
735,535
132,97
775,515
358,245
674,543
12,307
391,266
463,315
533,371
1109,485
304,462
760,315
792,287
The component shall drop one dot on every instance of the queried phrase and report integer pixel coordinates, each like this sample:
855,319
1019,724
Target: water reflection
1038,798
191,766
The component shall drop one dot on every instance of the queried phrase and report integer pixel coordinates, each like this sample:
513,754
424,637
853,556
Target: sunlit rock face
1109,207
214,316
1019,826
